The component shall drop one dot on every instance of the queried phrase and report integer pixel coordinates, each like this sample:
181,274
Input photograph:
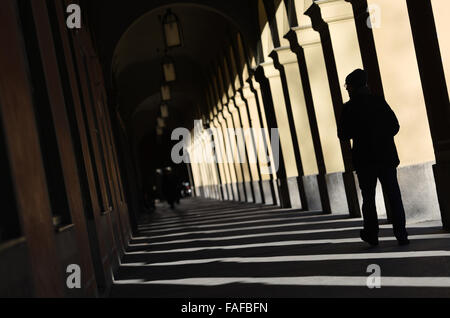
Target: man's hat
357,78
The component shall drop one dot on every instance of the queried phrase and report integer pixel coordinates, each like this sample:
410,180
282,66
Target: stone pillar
321,117
240,71
241,150
217,142
288,140
204,167
218,136
220,100
216,180
265,179
403,90
230,158
217,161
436,96
201,166
333,76
250,142
442,23
279,60
216,150
268,173
224,92
238,163
209,171
195,167
232,78
282,184
215,164
240,116
311,139
191,178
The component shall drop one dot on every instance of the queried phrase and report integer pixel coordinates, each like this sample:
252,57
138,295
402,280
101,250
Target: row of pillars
251,103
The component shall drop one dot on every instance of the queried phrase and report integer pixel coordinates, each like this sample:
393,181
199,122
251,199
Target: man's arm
345,129
390,125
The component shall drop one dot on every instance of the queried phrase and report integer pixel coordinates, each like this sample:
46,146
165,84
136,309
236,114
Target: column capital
216,121
221,117
270,70
358,3
276,61
232,107
238,99
253,83
260,76
318,24
335,10
291,36
247,93
305,36
225,99
226,113
283,56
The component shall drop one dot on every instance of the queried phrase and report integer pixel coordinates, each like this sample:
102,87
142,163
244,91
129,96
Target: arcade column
436,96
332,41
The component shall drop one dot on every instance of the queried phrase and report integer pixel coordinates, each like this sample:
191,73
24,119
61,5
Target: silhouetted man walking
371,123
170,187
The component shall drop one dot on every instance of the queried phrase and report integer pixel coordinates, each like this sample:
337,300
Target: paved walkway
224,249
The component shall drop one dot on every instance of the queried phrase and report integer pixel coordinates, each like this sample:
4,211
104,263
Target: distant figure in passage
149,201
170,187
371,123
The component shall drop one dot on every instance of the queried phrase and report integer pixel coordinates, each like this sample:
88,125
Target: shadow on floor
223,249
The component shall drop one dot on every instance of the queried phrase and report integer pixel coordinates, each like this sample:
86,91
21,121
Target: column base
212,192
283,194
312,191
294,193
242,192
337,192
275,193
418,186
199,191
217,193
235,189
220,193
442,178
230,195
257,189
223,192
249,190
268,193
351,194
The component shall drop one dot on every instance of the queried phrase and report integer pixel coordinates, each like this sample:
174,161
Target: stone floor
215,249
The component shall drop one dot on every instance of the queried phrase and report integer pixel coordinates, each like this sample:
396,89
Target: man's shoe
403,242
373,241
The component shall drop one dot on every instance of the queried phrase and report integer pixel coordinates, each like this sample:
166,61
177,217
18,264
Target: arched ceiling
136,62
111,19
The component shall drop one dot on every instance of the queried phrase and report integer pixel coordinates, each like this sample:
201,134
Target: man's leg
389,182
367,182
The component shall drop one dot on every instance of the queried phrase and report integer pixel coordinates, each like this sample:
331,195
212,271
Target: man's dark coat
371,123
